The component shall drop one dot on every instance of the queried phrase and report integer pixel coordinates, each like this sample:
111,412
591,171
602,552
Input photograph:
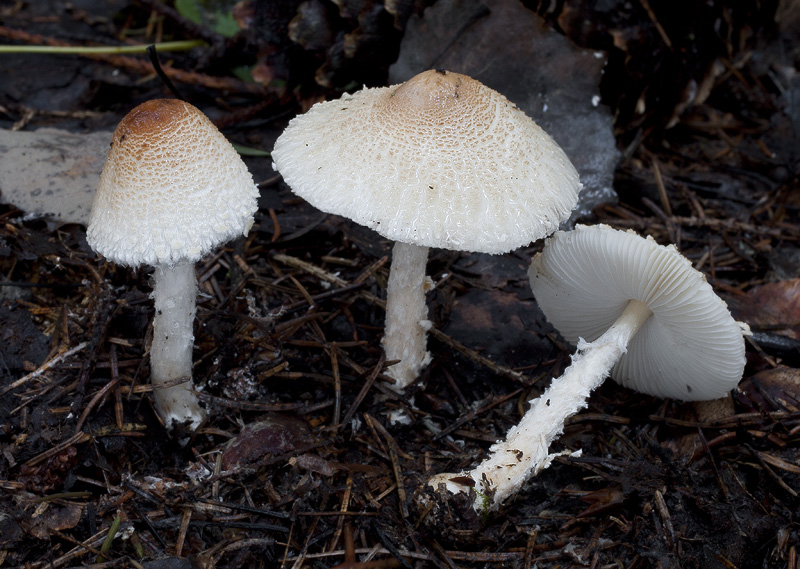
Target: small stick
371,298
34,374
114,363
152,54
364,390
499,369
142,67
475,413
99,395
661,506
662,189
74,439
276,231
391,445
337,387
185,519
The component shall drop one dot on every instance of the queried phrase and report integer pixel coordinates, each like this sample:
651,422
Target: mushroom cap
172,188
440,161
690,348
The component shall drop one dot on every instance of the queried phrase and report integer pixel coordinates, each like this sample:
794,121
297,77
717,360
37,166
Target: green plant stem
112,532
104,50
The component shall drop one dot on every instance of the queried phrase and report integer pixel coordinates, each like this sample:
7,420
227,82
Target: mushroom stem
406,314
174,296
524,452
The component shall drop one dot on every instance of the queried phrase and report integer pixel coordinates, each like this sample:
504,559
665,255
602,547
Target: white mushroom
636,310
438,161
171,190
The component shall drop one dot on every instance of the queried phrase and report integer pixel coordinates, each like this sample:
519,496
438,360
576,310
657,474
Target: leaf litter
289,326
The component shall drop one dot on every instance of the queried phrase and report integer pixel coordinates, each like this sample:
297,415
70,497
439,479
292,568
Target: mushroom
636,310
171,190
438,161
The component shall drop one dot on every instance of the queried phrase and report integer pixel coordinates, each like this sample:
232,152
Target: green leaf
250,151
190,10
243,72
225,25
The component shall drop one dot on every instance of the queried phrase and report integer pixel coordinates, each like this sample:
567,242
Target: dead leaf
772,306
778,386
275,434
51,516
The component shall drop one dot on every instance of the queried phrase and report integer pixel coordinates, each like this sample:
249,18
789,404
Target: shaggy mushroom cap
172,188
689,349
438,161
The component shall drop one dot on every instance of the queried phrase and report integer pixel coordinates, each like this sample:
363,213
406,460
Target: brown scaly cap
440,160
172,188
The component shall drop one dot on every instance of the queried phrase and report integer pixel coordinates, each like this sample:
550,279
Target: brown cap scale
171,190
438,161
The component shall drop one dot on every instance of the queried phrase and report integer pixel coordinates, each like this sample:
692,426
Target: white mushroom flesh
174,294
650,307
440,160
406,314
690,350
171,190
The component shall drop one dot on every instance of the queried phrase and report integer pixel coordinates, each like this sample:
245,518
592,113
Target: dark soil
299,464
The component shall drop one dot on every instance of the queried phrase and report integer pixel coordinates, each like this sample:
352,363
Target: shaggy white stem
174,295
524,452
406,314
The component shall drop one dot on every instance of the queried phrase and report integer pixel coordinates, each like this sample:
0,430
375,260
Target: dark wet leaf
53,517
10,532
772,306
274,434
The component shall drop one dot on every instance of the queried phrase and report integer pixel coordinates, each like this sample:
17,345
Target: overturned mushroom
171,190
438,161
636,310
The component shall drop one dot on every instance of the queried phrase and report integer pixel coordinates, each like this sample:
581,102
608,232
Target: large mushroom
636,310
438,161
171,190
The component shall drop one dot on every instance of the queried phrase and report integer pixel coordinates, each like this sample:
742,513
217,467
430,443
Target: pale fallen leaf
52,173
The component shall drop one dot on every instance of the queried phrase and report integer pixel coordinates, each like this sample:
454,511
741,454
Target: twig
184,527
662,189
34,374
152,54
391,446
380,303
86,546
143,67
364,390
97,396
77,438
471,354
99,50
458,423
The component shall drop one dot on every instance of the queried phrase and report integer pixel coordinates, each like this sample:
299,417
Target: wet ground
301,463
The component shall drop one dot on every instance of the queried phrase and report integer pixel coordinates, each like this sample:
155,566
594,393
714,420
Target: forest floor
302,461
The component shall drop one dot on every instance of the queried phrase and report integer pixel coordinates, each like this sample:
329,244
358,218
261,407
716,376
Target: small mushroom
438,161
636,310
171,190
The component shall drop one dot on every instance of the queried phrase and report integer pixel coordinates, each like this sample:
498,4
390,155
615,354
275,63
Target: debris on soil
702,101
